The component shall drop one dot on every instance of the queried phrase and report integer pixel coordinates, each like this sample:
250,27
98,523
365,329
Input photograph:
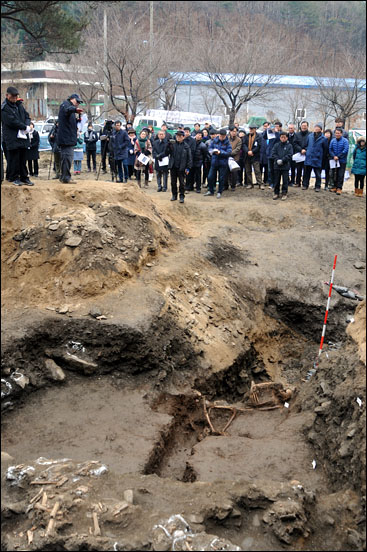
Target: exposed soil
133,329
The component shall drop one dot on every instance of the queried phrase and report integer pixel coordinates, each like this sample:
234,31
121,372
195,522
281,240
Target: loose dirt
124,314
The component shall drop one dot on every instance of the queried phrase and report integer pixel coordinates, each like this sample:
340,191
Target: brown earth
122,310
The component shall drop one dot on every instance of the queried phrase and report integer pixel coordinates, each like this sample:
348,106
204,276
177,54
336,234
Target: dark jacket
359,160
244,150
180,156
120,144
270,143
316,146
300,141
339,148
225,149
91,139
255,147
201,154
131,156
191,142
291,139
14,117
325,160
67,133
52,139
283,151
263,145
160,150
32,152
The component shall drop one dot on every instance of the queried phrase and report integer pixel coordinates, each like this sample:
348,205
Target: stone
6,458
223,511
74,241
256,521
57,374
354,539
129,496
87,366
247,543
344,450
359,266
95,312
162,375
196,518
20,380
53,226
329,520
63,310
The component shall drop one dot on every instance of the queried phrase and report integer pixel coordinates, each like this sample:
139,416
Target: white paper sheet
143,159
334,164
163,162
298,157
22,134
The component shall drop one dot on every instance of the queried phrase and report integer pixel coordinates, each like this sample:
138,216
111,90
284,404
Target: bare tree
344,97
240,70
296,101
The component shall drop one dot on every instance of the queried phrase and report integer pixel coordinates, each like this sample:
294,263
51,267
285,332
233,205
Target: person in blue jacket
315,151
338,149
220,149
120,145
359,165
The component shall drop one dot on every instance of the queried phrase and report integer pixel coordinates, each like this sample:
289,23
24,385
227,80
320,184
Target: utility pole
151,85
105,84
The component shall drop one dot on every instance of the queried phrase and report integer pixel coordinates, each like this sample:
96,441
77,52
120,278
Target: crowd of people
214,159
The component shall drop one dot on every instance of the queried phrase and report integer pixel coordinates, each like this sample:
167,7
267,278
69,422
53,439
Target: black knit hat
12,90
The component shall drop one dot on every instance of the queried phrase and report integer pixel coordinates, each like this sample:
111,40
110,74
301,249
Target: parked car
43,128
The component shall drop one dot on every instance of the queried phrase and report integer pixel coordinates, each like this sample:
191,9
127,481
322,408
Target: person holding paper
338,149
15,122
252,142
220,150
300,147
271,135
315,151
160,154
236,144
142,146
180,163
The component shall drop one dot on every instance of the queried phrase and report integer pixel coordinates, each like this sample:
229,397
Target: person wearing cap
67,133
15,122
252,142
338,149
315,151
281,157
220,150
180,163
300,146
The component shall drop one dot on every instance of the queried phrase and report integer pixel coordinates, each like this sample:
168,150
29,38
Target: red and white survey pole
326,313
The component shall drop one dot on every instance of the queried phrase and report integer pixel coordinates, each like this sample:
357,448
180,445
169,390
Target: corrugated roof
286,81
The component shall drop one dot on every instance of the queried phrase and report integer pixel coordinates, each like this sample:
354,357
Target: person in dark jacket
32,152
160,153
131,155
120,144
300,146
242,178
359,165
253,142
220,149
105,137
315,151
201,155
264,161
281,156
67,133
15,123
180,163
339,124
56,150
291,139
196,130
338,149
91,139
272,137
190,141
329,173
212,134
